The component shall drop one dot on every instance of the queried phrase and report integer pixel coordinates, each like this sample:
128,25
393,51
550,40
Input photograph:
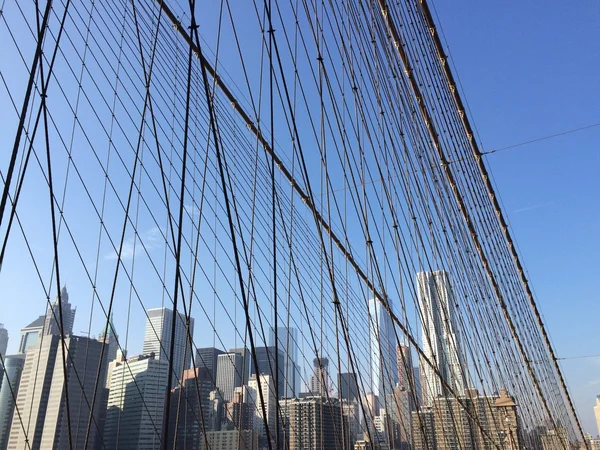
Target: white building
157,339
266,406
30,334
384,372
597,413
3,339
134,415
440,336
42,398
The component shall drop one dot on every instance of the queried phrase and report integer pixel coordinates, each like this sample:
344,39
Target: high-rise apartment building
52,321
12,368
157,339
136,400
422,429
3,339
315,422
384,370
229,374
30,334
268,365
43,391
440,336
288,344
206,357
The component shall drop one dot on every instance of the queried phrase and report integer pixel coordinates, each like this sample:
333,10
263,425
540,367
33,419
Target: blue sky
528,70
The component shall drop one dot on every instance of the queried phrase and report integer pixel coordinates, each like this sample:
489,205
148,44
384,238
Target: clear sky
528,70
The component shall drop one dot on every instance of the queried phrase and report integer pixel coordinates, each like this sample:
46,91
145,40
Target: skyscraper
384,371
288,344
229,374
316,423
319,381
136,400
110,339
441,344
3,339
190,409
207,358
267,364
13,366
158,339
265,405
246,358
52,321
597,413
30,334
42,396
348,387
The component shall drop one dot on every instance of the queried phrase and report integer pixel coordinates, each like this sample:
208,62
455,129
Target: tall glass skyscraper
158,339
384,371
288,344
230,367
441,344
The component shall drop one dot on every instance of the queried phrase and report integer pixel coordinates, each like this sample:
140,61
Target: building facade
136,400
12,369
229,374
384,370
441,342
157,339
44,388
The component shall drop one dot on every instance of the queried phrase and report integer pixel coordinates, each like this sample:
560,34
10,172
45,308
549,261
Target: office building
43,390
30,334
384,370
348,386
400,415
288,344
441,343
246,362
597,413
229,374
12,368
3,339
190,409
110,338
319,381
136,401
54,319
157,339
206,357
267,364
471,421
261,393
231,440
